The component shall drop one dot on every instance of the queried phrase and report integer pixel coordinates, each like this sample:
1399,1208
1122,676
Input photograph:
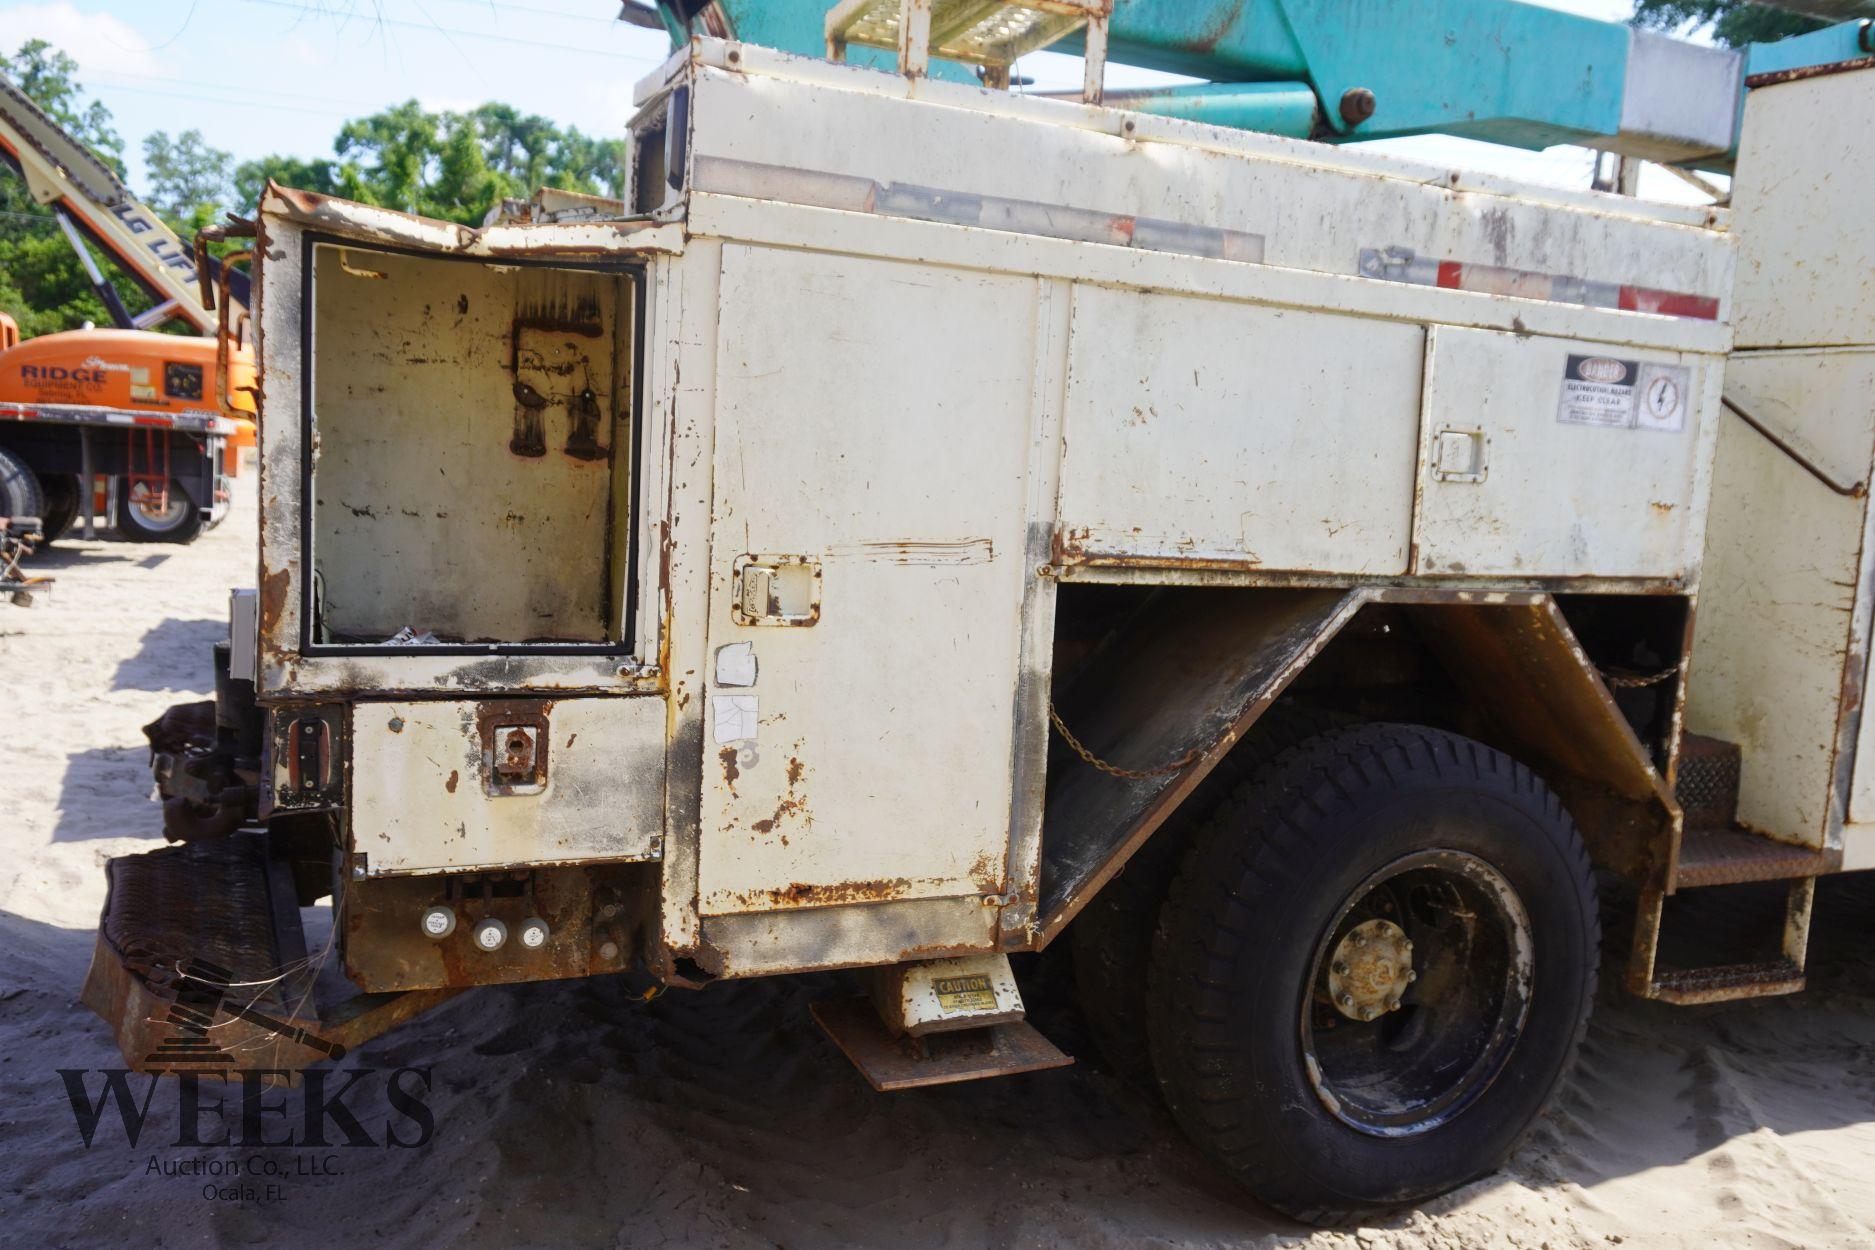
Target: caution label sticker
1608,393
965,993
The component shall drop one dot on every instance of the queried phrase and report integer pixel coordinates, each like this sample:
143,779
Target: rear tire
180,522
1329,1075
20,492
1113,934
61,491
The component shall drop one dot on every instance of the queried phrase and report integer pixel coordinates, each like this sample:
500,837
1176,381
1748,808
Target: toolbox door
1548,457
867,571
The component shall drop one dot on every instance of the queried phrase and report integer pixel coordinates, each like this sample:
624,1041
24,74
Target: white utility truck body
942,421
1781,651
690,584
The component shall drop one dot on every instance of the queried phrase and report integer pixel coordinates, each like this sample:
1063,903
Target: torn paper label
735,664
735,716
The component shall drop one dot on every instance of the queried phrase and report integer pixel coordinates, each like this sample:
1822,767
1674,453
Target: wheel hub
1406,1067
1371,967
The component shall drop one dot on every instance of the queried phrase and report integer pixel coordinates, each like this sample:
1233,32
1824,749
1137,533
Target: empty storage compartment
473,426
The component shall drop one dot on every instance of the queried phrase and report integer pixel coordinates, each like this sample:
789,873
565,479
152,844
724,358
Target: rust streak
800,895
273,592
789,806
1757,81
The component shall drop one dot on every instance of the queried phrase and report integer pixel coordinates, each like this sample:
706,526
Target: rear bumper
200,966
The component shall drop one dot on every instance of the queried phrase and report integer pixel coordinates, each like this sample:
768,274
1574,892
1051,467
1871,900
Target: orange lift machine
153,422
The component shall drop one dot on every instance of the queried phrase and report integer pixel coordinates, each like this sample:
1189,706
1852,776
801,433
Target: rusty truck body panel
837,363
915,507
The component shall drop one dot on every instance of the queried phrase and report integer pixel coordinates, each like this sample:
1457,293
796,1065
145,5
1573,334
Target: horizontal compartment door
453,786
1548,457
1200,430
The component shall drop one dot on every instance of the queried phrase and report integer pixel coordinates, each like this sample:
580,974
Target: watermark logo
203,992
345,1108
244,1133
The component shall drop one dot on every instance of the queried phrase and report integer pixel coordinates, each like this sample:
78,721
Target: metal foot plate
891,1063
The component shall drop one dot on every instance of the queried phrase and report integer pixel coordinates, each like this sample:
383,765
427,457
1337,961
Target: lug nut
438,922
1341,968
1406,944
534,933
1369,1012
1411,976
490,934
1346,1000
1358,938
1393,1004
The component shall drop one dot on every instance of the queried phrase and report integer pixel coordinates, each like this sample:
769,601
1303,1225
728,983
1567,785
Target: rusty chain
1623,682
1114,770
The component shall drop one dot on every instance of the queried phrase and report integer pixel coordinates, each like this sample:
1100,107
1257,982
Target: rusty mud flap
201,966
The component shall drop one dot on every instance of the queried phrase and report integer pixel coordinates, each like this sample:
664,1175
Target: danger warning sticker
1624,394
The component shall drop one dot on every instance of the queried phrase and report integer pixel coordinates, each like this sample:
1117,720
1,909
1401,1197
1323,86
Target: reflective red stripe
1452,275
1669,303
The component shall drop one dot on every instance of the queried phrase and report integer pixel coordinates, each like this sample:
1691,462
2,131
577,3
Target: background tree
457,166
188,180
1734,23
251,178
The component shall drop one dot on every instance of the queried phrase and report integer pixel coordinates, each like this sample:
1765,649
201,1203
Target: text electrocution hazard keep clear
1624,394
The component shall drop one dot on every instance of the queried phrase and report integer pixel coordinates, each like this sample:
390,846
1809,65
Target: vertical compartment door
867,569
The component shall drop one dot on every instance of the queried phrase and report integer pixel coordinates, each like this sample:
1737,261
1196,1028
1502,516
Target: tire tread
1250,852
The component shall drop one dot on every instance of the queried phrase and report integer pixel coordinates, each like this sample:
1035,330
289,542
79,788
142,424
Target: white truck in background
924,522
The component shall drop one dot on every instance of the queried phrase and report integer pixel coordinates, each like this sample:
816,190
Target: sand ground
568,1114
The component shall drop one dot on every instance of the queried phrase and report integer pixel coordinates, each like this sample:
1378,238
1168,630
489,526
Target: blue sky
259,76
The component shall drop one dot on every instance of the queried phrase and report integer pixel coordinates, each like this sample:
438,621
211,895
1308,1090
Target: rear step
1686,987
200,966
1716,851
937,1022
1734,856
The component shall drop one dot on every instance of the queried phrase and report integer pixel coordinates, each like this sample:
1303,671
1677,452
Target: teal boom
1504,71
1275,108
1489,69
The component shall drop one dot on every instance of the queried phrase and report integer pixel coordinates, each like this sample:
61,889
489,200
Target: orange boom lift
126,423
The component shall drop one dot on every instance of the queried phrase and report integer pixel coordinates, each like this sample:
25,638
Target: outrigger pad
201,966
892,1063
